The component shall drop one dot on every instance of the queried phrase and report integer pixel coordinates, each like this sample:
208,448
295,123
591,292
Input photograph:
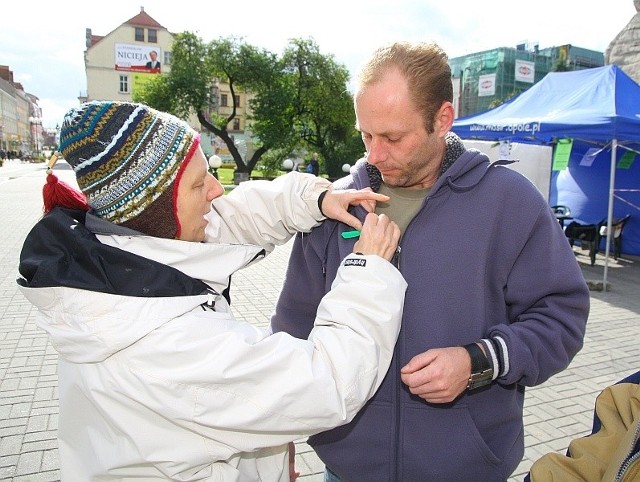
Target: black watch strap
481,371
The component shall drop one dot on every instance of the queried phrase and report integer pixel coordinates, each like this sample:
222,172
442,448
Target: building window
223,100
237,101
139,34
167,58
152,35
124,84
236,124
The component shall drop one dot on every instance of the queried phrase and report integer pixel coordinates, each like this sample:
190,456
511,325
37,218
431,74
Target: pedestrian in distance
496,300
157,378
313,165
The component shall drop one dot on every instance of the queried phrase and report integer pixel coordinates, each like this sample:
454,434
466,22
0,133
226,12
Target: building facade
124,60
9,137
485,79
20,118
222,105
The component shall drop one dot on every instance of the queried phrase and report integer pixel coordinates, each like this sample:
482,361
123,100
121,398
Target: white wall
534,162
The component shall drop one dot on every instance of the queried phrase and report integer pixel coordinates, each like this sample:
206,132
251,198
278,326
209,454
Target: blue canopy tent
598,109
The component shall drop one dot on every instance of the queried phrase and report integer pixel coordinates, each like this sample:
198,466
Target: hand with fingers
438,375
379,236
335,204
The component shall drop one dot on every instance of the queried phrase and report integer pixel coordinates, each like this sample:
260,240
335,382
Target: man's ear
444,118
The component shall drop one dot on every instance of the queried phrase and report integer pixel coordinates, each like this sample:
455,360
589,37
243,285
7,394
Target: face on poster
137,58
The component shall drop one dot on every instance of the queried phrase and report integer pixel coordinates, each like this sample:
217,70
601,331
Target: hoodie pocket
444,444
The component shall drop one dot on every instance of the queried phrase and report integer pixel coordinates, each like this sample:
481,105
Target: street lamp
287,165
214,163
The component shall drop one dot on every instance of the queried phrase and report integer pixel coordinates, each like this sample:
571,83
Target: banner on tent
590,156
562,154
626,161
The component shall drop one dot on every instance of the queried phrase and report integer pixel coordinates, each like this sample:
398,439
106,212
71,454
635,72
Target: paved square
555,412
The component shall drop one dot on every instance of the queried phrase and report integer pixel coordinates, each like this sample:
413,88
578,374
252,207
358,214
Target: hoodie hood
98,294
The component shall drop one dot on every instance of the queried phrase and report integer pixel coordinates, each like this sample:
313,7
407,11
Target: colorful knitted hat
127,158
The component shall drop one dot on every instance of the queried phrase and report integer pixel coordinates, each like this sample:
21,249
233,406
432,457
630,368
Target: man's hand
438,375
336,203
379,236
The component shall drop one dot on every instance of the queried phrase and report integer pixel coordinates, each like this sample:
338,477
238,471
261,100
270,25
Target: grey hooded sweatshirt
485,259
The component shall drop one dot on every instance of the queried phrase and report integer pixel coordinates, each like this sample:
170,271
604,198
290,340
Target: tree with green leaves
297,101
324,117
188,87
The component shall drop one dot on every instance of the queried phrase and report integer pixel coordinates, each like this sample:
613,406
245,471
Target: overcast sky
43,41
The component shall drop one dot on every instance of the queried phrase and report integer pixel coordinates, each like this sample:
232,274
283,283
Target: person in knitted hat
127,158
157,379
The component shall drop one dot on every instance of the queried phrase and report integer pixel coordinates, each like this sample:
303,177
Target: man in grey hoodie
496,300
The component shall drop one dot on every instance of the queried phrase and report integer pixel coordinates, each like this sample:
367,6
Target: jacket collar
98,294
458,169
454,149
61,250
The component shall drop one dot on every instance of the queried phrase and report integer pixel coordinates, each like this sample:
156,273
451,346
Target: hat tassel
57,193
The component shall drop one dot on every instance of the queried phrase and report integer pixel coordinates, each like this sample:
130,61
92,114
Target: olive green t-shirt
403,205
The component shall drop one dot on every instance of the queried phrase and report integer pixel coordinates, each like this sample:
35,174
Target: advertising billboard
525,71
138,58
486,85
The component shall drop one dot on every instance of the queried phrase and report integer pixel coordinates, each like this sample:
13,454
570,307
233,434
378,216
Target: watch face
481,379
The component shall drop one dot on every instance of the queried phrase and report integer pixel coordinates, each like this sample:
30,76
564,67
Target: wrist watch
481,371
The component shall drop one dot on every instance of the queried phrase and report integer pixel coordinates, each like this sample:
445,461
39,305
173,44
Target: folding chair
617,226
587,234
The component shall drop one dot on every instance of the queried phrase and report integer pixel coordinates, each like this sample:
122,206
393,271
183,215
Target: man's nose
376,151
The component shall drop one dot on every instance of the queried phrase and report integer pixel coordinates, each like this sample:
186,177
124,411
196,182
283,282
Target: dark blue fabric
472,272
585,189
61,251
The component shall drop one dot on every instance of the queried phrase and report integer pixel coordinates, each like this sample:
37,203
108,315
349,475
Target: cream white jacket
176,388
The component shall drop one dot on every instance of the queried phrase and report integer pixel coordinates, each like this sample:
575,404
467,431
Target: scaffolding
500,69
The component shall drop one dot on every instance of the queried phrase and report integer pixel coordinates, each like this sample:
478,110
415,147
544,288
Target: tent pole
612,182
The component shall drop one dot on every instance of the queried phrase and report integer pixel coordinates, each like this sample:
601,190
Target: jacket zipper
630,458
396,258
398,391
